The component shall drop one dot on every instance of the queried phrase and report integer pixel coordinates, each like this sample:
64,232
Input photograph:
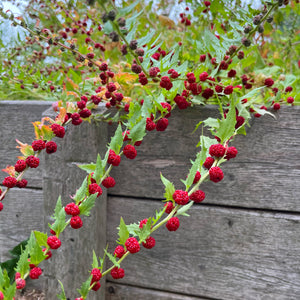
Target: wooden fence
242,242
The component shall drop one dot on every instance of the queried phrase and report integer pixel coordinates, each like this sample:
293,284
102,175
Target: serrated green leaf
117,140
9,267
112,258
89,168
227,126
192,172
146,107
182,210
99,171
35,251
138,131
95,261
145,231
4,278
23,264
158,215
16,251
58,207
126,10
84,290
81,192
10,291
60,222
133,229
41,238
169,188
123,232
86,206
252,93
146,39
62,295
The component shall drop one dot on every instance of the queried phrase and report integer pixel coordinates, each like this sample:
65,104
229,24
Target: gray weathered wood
218,253
16,119
116,291
72,262
263,175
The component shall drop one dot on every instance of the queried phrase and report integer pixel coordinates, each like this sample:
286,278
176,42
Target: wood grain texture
263,175
116,291
72,262
217,253
16,119
22,212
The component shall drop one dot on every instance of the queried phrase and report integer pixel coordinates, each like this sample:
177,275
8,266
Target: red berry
58,130
76,222
129,151
197,177
173,224
132,245
203,76
290,100
207,3
207,93
35,273
1,296
166,83
32,161
288,89
95,188
197,196
154,71
231,153
208,162
51,147
97,275
53,242
142,78
109,182
174,74
117,273
228,90
136,68
169,207
276,106
20,165
1,206
119,251
38,145
269,82
181,102
9,182
231,73
181,197
168,107
150,243
72,209
150,125
162,124
143,222
21,183
96,286
20,283
216,174
240,55
202,57
113,158
85,113
217,150
48,254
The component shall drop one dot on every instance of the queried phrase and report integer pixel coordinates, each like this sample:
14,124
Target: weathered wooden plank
116,291
72,262
218,253
16,119
263,175
21,214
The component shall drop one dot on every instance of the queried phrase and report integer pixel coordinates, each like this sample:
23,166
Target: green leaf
95,261
41,238
133,229
17,250
192,172
4,278
84,290
58,207
182,210
86,206
117,140
127,9
147,107
145,231
112,259
23,263
35,251
9,267
138,131
89,168
158,215
60,222
62,295
227,126
252,93
146,39
99,171
10,291
123,232
81,192
169,188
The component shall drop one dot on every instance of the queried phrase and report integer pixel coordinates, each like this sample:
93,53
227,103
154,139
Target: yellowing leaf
10,170
165,21
25,149
61,116
125,78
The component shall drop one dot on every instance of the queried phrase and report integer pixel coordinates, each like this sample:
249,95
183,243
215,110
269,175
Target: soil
30,295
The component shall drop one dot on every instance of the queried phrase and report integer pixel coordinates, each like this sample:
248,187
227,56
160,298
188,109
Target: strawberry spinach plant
141,64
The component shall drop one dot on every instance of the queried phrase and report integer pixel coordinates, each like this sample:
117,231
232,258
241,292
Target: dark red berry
173,224
58,130
9,182
166,83
197,177
20,283
53,242
276,106
109,182
117,273
150,125
132,245
149,243
288,89
113,158
48,254
162,124
76,222
228,90
269,82
129,151
95,188
169,207
85,113
97,275
35,273
136,68
1,206
216,174
119,251
203,76
96,286
217,150
231,153
290,100
208,162
181,197
21,183
20,165
197,196
51,147
38,145
72,209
